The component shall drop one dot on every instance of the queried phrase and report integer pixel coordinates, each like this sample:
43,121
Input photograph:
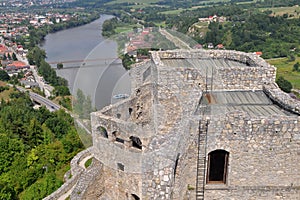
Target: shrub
284,84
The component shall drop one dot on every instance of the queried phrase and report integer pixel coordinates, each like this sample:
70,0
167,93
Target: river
92,64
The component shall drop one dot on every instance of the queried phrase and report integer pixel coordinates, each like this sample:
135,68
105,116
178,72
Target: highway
177,41
51,106
41,100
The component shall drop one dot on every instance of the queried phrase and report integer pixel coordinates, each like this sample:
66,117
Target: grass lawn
5,94
173,12
122,29
285,69
146,2
279,11
161,24
246,2
179,10
126,28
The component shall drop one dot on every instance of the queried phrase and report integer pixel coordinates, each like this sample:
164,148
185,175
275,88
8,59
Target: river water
92,64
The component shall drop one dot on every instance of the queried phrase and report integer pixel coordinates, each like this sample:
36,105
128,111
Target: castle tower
200,125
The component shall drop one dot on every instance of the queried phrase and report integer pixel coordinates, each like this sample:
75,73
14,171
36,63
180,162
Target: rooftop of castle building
254,103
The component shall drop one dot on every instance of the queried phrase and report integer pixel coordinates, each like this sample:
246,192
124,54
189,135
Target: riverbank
98,71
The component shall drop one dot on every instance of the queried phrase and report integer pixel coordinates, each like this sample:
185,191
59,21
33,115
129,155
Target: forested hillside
246,28
36,147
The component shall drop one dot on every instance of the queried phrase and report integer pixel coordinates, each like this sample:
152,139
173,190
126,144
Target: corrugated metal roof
255,103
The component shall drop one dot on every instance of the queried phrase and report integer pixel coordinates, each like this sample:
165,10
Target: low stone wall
249,59
140,73
282,98
251,77
76,171
243,78
86,179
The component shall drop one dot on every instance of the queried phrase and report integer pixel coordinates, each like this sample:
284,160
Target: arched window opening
135,197
115,134
130,111
102,131
136,142
217,166
118,115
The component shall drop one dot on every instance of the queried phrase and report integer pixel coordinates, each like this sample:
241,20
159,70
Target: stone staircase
200,182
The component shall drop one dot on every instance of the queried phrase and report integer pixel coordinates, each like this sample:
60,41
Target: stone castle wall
246,78
246,58
253,76
167,139
121,185
166,166
263,156
281,98
185,181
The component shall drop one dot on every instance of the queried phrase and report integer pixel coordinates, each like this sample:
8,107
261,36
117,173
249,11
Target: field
126,28
285,69
5,94
279,11
145,2
177,11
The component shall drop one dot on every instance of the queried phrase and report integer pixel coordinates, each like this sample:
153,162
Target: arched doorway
217,166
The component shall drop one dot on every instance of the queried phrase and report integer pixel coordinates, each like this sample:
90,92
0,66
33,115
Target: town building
16,66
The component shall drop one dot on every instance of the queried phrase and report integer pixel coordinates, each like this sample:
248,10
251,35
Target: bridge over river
86,63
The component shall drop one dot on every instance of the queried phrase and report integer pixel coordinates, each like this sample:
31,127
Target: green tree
36,55
60,65
296,66
61,91
284,84
4,76
292,58
87,108
7,190
78,103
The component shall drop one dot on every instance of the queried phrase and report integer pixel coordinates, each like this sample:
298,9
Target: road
41,100
47,89
178,42
44,87
50,105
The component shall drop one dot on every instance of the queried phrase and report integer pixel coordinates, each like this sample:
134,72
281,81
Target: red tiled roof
17,64
3,48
